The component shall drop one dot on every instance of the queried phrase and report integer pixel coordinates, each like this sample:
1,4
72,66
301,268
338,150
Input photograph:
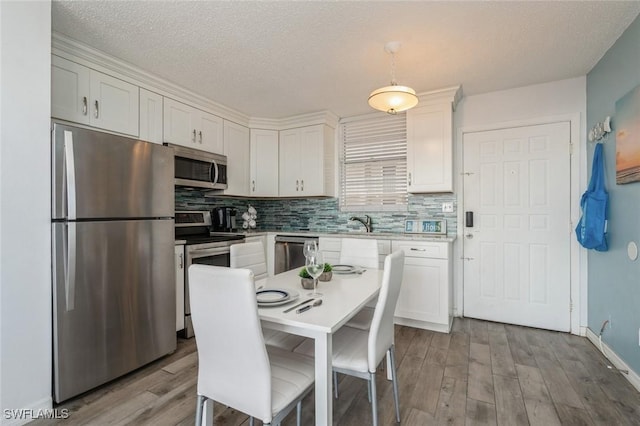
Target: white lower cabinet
426,296
179,262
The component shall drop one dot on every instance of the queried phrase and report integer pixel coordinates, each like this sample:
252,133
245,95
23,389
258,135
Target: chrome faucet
366,223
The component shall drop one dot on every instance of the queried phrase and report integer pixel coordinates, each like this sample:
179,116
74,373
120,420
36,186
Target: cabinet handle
84,105
181,261
409,179
253,186
296,184
417,249
194,136
97,109
302,185
200,134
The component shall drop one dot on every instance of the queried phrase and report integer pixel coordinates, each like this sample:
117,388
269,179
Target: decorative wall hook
600,130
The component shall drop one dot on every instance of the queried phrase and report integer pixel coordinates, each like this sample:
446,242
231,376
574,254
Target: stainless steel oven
201,248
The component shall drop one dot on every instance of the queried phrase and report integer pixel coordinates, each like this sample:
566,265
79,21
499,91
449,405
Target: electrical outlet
447,207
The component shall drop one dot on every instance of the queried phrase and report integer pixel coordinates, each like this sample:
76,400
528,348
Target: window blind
374,164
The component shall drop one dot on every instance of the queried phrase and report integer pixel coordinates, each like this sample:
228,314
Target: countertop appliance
112,243
289,252
202,247
224,219
199,169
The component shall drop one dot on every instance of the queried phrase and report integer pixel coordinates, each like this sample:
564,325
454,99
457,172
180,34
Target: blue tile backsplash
321,214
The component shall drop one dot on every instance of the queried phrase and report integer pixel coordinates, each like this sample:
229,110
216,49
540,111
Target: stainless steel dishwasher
288,252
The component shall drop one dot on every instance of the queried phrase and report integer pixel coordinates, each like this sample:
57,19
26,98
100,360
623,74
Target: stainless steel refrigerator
113,269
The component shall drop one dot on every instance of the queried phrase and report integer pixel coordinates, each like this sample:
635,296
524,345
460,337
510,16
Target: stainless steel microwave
199,169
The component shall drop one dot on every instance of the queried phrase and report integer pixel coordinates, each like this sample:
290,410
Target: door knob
469,236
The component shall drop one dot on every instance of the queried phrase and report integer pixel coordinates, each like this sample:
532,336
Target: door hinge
570,149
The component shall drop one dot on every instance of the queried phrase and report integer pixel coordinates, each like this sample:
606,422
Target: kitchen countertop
376,235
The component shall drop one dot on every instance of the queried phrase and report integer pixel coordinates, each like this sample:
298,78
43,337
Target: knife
295,306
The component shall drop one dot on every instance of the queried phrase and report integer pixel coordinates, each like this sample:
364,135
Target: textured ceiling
277,59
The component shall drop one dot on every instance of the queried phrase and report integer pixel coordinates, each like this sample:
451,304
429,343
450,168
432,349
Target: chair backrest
233,365
249,256
359,252
381,330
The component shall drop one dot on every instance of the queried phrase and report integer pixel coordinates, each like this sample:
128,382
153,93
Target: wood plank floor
482,373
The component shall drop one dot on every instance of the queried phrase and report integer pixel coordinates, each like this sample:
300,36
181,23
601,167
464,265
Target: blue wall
614,280
321,214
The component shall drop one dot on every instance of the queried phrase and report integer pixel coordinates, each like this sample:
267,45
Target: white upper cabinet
150,116
429,148
82,95
188,126
306,162
237,148
430,142
264,163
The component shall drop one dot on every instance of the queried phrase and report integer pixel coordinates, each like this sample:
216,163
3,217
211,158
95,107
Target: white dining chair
251,256
360,252
358,352
235,367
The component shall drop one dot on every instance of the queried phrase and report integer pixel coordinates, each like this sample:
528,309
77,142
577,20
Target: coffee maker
224,219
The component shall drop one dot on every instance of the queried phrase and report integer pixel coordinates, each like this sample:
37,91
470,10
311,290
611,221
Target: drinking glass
315,266
310,246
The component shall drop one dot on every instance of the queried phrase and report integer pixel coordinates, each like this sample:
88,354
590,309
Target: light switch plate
447,207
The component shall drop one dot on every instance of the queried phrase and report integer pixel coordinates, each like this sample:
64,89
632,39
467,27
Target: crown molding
301,120
448,94
85,55
80,53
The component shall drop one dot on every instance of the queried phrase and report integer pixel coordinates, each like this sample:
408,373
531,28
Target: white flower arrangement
249,218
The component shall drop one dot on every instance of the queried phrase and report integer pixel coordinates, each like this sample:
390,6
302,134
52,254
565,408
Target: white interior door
517,254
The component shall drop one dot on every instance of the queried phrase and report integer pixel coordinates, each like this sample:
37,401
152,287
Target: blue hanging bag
592,228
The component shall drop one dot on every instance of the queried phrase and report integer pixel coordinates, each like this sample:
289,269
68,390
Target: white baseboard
583,331
617,362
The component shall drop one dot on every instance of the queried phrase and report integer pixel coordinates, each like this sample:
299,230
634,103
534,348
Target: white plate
291,295
343,269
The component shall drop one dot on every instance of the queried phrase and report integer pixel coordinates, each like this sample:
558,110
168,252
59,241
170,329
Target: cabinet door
178,126
424,292
236,148
264,163
150,116
290,161
429,148
69,90
210,133
114,104
179,262
311,160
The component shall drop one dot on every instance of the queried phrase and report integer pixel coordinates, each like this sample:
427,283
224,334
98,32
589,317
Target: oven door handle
208,251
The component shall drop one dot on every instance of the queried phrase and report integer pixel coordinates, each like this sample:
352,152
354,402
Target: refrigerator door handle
71,174
70,276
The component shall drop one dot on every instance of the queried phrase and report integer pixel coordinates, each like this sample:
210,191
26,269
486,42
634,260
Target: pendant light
393,99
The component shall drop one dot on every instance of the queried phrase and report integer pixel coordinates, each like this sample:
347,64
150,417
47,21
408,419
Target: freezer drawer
113,300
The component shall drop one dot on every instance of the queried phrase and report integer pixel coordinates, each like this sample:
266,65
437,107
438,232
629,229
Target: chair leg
298,413
199,407
374,400
369,391
335,384
394,377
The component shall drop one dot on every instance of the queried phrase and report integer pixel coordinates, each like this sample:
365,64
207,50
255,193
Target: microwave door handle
214,172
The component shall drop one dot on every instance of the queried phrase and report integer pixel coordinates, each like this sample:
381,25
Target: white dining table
342,298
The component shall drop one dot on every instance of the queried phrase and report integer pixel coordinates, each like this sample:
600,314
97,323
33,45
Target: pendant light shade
393,99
